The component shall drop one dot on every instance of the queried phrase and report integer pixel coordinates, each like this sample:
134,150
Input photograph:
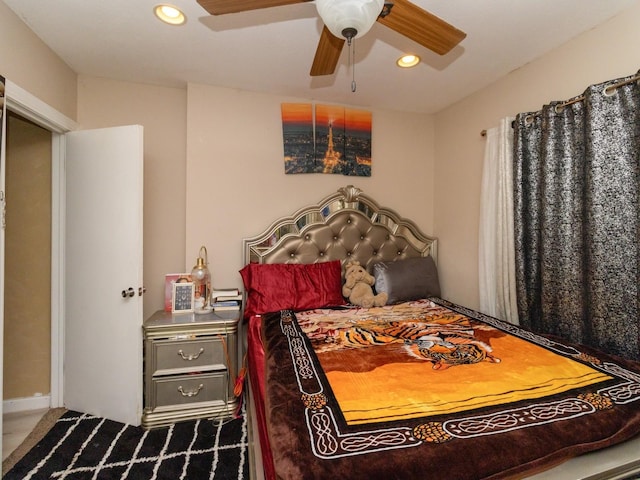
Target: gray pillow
407,279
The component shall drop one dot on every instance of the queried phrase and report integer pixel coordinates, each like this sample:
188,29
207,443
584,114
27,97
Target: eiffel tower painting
331,139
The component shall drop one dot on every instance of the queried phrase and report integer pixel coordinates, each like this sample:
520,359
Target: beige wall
29,63
209,151
244,149
236,185
162,113
606,52
217,149
27,263
233,147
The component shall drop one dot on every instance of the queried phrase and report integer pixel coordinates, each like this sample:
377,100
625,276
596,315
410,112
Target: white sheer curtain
497,280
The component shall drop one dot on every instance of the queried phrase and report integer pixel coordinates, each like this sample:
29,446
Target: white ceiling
271,50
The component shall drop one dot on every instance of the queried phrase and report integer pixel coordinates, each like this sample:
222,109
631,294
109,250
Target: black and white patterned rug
81,446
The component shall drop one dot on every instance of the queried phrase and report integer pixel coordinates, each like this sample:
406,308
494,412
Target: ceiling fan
348,19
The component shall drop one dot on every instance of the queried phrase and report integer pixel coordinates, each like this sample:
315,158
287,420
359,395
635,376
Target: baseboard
27,403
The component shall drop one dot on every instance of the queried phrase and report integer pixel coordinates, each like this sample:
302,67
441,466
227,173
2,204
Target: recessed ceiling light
407,61
169,14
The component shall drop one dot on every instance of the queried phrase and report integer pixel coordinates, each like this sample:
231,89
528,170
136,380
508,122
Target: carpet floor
80,446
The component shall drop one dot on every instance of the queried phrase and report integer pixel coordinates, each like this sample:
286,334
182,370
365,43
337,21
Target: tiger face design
446,352
443,344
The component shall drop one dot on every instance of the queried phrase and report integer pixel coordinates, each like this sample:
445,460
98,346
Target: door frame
20,101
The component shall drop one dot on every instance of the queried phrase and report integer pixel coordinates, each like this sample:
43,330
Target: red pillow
292,286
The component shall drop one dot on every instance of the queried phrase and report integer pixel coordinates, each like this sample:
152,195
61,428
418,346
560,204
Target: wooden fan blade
327,54
220,7
422,27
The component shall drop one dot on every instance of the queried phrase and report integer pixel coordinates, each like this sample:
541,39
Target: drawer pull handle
190,357
192,393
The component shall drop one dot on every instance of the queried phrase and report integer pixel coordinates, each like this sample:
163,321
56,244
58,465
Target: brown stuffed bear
357,287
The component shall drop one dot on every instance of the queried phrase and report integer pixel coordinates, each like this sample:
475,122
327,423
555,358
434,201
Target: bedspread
429,389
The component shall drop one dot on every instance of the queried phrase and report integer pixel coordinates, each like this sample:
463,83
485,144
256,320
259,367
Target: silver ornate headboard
347,225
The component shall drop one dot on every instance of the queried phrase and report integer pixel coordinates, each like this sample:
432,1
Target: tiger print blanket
429,389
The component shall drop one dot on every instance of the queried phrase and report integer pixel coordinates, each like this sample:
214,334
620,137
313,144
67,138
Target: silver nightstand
190,363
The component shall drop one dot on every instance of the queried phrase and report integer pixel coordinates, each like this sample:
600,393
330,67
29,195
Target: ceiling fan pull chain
353,64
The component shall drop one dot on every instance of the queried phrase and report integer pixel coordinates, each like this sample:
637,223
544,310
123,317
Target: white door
103,273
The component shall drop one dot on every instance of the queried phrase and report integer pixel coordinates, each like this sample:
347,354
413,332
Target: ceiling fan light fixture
343,17
169,14
408,61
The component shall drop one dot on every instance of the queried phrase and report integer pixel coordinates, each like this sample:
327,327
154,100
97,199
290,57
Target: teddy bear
357,287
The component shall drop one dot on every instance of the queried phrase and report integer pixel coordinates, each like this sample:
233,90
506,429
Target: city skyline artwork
326,139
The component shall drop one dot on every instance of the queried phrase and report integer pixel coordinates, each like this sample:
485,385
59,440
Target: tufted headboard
347,225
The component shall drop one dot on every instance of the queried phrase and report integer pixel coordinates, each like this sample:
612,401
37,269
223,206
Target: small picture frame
182,297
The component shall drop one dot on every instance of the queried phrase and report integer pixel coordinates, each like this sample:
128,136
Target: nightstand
190,363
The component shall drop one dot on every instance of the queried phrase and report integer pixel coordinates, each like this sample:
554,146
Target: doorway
27,291
21,102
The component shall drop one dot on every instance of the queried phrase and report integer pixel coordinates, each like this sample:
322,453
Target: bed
420,387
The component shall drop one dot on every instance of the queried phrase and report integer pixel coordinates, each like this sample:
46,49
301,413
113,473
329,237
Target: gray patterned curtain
577,218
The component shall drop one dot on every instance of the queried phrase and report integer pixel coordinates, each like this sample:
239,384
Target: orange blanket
430,389
378,362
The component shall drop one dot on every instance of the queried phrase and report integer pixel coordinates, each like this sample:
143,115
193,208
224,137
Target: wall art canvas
357,143
298,137
326,139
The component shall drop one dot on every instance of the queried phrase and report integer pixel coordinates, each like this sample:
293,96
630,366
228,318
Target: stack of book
226,299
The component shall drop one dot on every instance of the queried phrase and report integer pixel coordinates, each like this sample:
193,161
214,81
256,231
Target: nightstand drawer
185,390
181,356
